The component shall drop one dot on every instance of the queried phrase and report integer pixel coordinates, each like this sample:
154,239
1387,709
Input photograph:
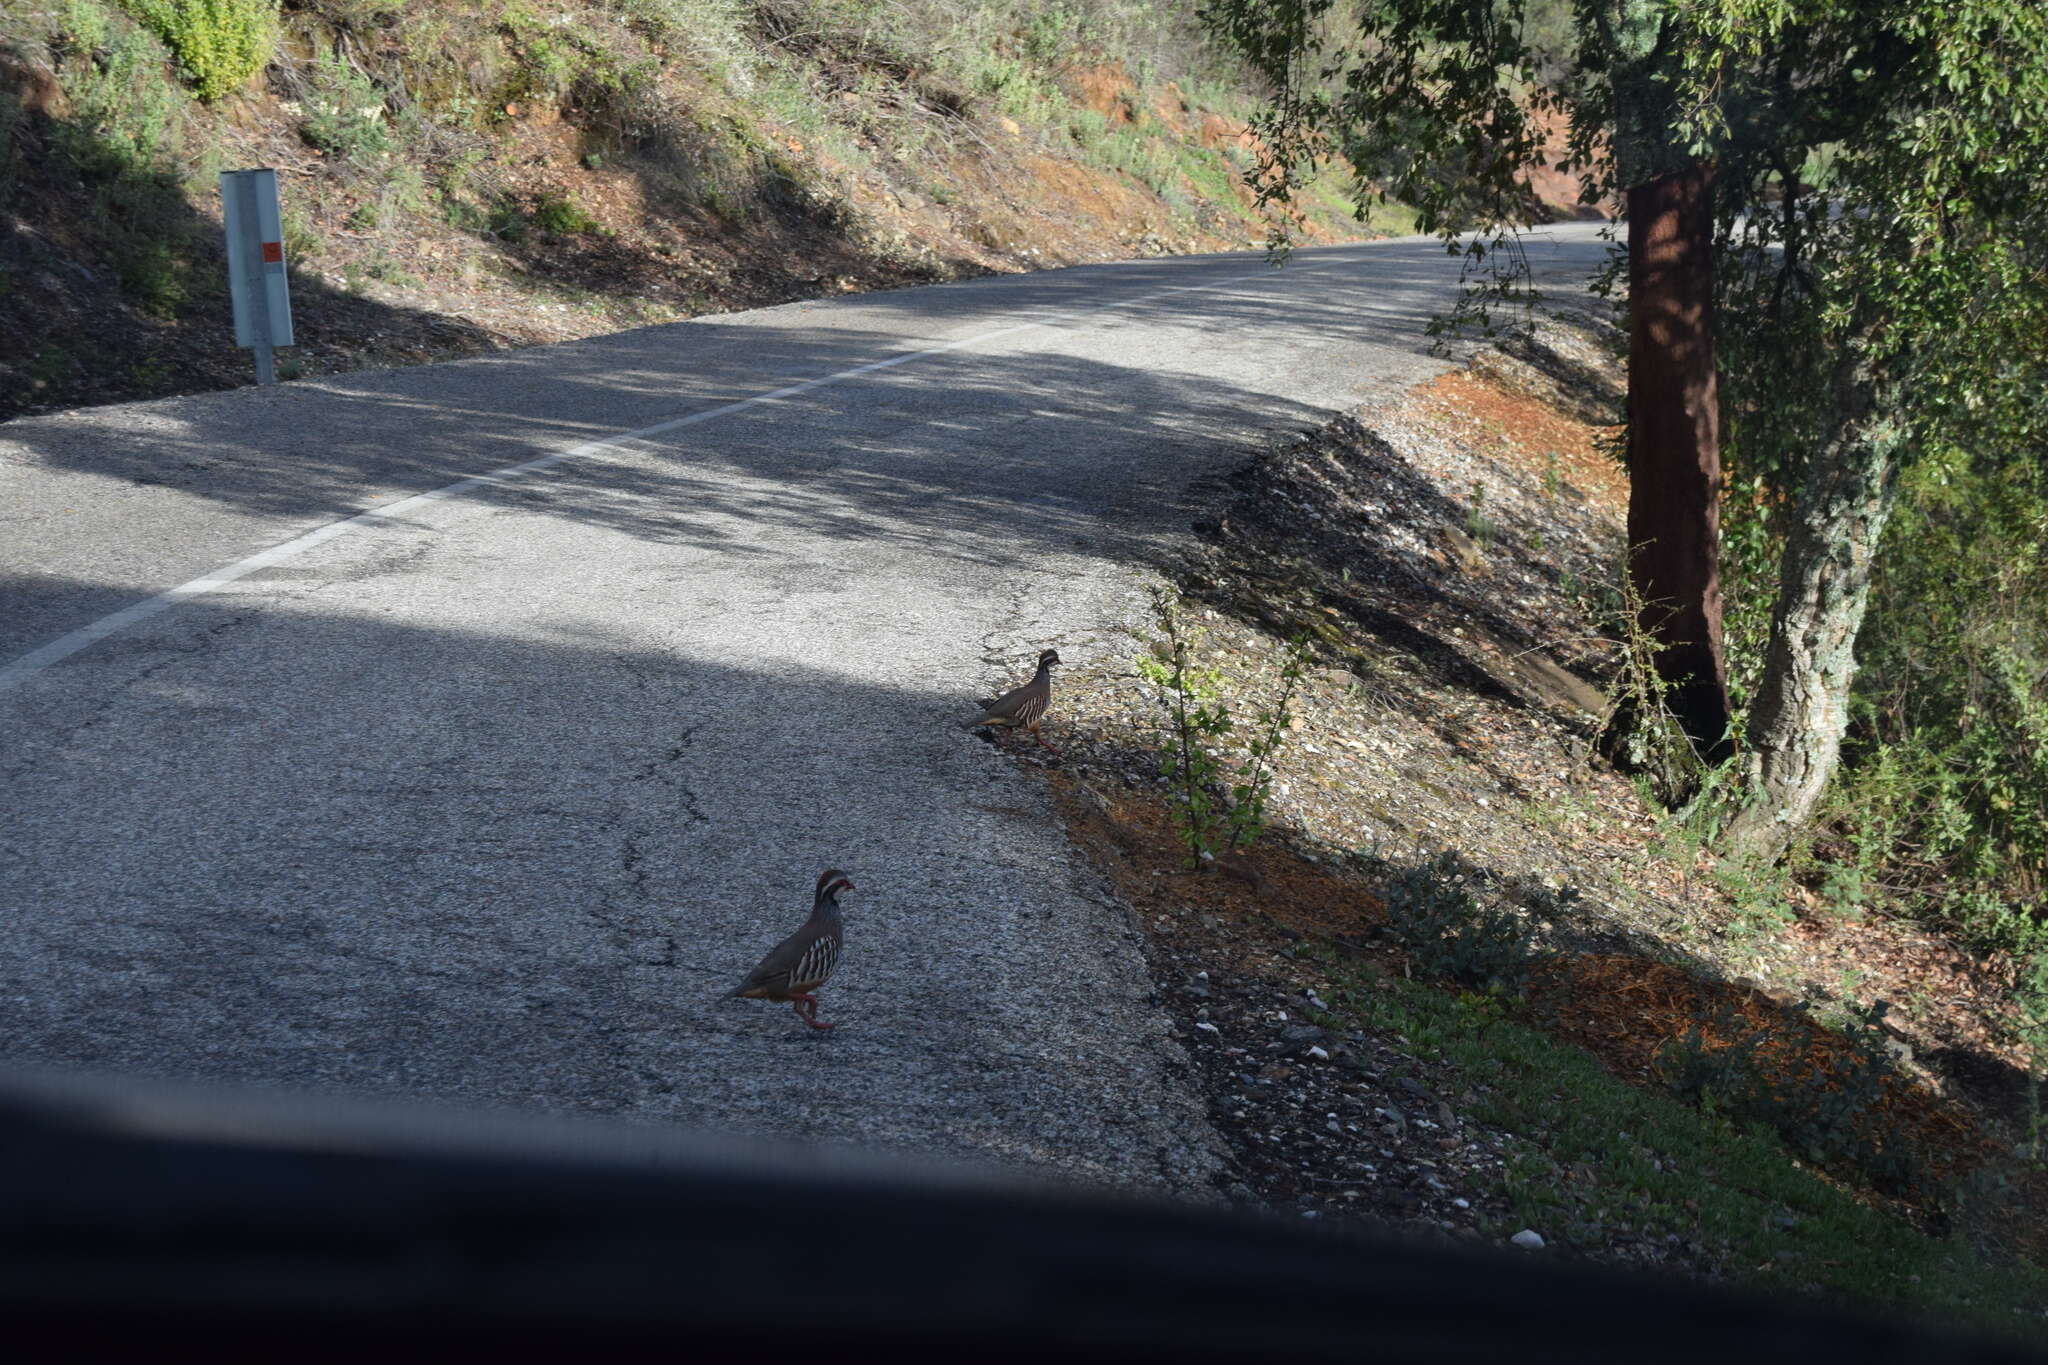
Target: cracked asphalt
490,799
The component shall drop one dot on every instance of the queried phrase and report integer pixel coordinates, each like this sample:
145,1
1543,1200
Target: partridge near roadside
804,961
1023,706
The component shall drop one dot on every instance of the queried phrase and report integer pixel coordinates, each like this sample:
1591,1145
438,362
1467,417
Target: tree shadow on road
966,446
270,838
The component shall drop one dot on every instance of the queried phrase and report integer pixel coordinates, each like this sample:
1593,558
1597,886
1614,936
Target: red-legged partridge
801,963
1023,707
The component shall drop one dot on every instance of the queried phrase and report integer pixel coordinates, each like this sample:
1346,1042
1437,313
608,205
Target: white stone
1528,1240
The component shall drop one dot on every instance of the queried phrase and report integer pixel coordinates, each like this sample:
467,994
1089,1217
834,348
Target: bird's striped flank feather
1022,706
805,960
814,968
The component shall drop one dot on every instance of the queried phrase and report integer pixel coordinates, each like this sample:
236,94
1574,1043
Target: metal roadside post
256,278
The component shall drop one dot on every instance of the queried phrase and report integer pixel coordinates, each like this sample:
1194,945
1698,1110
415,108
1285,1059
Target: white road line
35,661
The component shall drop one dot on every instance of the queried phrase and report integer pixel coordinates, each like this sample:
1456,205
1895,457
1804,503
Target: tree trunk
1674,451
1802,705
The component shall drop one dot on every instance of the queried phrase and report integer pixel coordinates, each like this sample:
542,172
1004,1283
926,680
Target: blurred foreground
143,1217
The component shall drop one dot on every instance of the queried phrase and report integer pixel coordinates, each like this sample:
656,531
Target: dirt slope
466,179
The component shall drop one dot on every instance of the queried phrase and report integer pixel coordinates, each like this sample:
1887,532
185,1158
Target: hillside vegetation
1439,965
465,176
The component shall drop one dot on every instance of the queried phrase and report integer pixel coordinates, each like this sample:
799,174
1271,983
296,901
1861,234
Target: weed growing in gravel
1478,524
1212,815
1270,728
1195,719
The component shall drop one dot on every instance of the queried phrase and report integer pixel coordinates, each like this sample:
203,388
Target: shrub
1826,1102
345,114
219,44
126,114
1436,915
124,137
1053,33
559,216
1945,788
1939,800
547,58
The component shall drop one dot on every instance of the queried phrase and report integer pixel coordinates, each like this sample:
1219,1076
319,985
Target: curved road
326,763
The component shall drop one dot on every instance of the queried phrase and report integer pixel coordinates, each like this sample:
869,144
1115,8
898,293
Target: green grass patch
1600,1156
1394,218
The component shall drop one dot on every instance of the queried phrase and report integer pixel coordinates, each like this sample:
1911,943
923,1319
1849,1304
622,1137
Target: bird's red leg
811,1014
806,1006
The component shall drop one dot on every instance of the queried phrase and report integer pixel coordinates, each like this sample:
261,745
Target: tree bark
1674,451
1802,705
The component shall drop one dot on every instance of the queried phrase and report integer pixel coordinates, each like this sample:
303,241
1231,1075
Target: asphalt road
487,795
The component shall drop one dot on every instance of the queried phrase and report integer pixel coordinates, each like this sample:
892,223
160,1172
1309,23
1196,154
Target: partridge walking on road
1023,706
804,961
